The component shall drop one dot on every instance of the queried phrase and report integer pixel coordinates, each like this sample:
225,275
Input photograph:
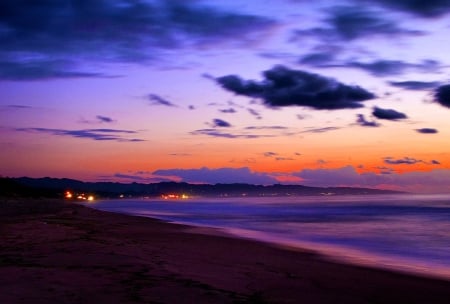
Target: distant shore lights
175,196
81,196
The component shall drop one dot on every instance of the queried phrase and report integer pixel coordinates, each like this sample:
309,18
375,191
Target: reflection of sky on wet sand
402,232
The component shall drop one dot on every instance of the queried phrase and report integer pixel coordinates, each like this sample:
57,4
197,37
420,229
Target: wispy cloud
415,85
321,130
383,67
157,100
220,133
408,161
139,178
104,119
266,128
220,123
95,134
18,107
228,111
283,158
270,154
362,121
402,161
255,113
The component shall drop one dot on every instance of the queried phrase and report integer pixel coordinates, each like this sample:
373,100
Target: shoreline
65,252
333,253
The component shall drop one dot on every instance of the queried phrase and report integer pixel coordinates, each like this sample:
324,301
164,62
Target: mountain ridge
57,186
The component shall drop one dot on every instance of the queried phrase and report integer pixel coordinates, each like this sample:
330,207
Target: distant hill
14,188
56,187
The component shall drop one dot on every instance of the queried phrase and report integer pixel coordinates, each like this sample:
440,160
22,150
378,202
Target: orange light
90,198
68,194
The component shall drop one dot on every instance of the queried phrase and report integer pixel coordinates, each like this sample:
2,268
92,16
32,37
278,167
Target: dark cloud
229,110
442,95
388,114
391,67
49,39
106,119
220,175
95,134
351,22
321,130
365,123
191,107
435,162
423,8
402,161
427,131
158,100
415,85
285,87
220,123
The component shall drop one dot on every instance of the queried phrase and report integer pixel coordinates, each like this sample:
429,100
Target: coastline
64,252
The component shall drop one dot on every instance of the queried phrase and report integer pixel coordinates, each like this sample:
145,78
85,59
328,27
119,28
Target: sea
404,232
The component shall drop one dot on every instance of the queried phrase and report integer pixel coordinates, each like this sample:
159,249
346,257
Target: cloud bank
430,181
53,39
436,180
221,175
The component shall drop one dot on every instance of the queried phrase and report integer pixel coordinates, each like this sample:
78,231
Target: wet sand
59,252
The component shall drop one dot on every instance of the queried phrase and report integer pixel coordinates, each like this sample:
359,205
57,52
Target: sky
319,93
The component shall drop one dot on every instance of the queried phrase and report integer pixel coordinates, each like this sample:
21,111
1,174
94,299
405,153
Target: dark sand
53,252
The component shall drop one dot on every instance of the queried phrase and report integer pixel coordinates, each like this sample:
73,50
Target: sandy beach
60,252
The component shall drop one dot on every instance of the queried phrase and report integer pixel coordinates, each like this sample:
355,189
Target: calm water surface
403,232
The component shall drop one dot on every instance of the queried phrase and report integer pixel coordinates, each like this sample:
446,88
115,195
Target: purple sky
290,91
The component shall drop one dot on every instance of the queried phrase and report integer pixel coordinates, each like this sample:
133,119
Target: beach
61,252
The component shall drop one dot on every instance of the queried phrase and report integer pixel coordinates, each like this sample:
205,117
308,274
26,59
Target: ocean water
408,233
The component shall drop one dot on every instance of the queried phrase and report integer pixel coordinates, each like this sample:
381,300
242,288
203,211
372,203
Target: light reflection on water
407,232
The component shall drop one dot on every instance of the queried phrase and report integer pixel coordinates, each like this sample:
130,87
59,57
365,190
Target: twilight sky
255,91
